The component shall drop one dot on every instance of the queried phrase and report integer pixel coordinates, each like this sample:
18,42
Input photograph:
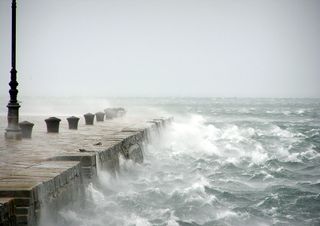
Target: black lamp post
13,130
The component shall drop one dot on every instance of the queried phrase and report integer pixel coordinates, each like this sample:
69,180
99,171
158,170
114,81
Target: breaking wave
216,169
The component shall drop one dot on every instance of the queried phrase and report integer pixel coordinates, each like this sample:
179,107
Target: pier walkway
49,166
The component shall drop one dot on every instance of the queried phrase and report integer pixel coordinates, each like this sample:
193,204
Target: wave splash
210,170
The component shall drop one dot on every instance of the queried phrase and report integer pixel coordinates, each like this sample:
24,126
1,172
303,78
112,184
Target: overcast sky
216,48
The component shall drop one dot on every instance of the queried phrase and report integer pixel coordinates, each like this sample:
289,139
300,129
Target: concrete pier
48,168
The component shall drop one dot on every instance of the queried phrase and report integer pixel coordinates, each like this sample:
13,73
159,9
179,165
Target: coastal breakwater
53,169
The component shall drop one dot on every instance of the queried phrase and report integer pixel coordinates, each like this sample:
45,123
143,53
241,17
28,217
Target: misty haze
166,113
188,48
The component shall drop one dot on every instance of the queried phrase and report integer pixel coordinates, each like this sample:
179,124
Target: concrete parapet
87,162
36,185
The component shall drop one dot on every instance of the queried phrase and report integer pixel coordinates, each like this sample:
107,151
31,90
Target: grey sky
245,48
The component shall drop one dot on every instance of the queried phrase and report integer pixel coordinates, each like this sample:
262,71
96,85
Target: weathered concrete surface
53,167
39,183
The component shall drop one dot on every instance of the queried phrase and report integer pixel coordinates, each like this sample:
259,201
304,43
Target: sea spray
255,162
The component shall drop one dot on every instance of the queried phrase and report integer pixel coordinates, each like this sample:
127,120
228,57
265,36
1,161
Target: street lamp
13,130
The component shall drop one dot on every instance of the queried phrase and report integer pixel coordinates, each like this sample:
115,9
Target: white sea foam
226,214
137,221
310,153
95,195
195,136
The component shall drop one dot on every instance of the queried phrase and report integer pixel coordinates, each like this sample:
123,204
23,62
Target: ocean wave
232,165
261,176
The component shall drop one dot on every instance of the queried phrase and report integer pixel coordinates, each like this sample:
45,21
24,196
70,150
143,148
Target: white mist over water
36,109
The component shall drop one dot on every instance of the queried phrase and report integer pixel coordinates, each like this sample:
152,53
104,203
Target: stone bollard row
89,118
26,129
73,122
53,123
114,112
100,116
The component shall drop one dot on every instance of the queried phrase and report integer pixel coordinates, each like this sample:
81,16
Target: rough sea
223,161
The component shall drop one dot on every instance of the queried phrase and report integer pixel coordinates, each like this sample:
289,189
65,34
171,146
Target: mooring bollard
100,116
53,124
109,112
26,129
114,112
73,122
89,117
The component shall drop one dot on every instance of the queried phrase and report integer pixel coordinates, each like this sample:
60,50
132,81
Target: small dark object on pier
53,124
84,150
89,117
26,129
100,116
97,144
73,122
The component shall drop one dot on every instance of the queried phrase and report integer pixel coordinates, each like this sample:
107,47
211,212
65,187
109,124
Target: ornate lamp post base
13,130
13,135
